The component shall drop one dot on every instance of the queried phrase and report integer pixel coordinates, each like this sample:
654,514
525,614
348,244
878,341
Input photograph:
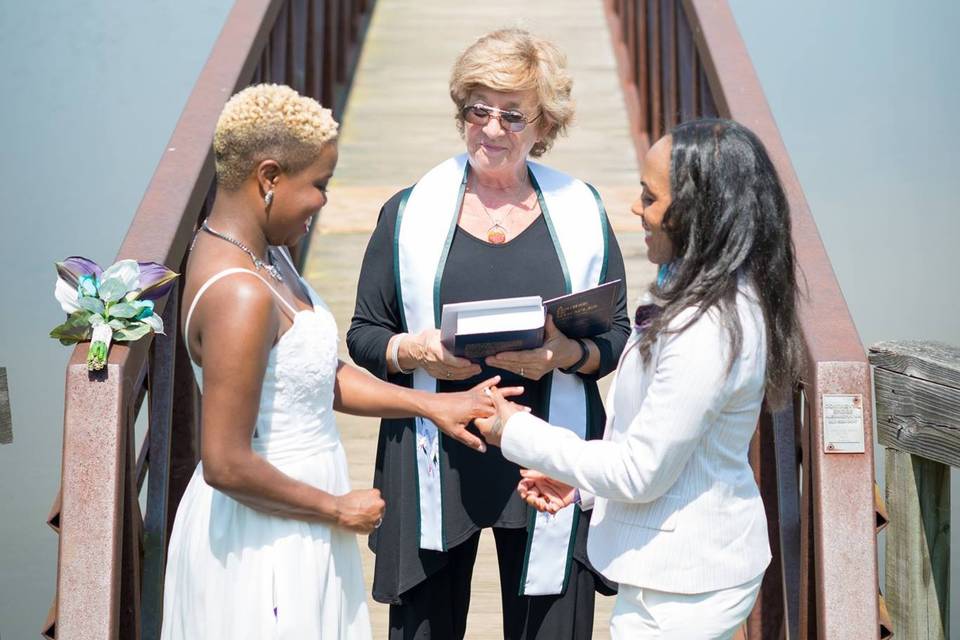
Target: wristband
395,353
584,356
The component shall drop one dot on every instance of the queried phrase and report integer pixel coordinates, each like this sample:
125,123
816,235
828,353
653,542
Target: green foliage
76,329
132,332
112,290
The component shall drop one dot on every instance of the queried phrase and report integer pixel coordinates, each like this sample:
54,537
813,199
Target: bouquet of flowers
107,305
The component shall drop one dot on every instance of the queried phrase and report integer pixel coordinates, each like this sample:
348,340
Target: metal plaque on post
843,430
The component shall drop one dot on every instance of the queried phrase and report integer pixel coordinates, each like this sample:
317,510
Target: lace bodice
296,401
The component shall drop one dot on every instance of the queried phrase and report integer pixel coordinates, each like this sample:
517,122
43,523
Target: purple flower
75,266
155,280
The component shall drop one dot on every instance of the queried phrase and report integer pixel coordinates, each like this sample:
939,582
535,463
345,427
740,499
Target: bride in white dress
264,542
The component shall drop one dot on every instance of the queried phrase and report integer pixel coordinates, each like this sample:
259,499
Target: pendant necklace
257,262
496,232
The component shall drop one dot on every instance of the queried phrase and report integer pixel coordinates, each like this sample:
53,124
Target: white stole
426,222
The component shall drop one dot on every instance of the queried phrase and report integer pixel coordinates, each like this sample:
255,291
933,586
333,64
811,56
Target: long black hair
729,220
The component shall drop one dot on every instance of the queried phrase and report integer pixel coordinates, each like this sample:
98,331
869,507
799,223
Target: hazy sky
866,95
92,91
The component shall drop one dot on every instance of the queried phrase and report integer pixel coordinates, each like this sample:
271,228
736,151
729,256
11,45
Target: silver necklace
257,262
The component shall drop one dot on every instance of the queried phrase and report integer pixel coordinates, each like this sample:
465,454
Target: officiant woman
489,223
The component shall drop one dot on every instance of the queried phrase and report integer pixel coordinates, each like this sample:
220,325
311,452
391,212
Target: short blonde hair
514,60
269,121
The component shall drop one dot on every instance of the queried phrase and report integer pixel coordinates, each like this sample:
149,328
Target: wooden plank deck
399,123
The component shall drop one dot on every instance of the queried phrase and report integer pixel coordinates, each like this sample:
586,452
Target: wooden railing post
918,422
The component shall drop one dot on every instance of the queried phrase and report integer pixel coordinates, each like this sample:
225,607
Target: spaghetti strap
210,282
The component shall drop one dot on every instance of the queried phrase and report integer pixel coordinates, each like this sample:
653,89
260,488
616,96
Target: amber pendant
496,234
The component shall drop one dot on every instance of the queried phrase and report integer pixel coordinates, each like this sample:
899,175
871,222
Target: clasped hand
488,408
536,489
544,493
453,412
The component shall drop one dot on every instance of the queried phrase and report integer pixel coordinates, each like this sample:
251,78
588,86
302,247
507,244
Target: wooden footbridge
640,67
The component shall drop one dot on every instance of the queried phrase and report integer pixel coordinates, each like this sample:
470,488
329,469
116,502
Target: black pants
436,609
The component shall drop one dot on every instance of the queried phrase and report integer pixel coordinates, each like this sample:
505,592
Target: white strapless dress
234,572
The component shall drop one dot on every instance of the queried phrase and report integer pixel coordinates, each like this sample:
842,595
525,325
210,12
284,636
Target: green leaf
81,315
117,323
132,332
123,310
75,329
112,290
93,305
155,322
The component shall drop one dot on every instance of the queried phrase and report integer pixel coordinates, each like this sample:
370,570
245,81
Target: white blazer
676,506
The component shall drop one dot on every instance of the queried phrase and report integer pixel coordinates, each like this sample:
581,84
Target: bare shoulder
241,293
238,308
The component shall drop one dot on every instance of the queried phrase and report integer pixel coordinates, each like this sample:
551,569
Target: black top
479,488
476,270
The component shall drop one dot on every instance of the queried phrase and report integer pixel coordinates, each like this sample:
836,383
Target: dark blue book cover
478,346
586,313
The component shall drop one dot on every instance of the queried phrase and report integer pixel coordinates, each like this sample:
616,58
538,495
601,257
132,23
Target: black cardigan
479,489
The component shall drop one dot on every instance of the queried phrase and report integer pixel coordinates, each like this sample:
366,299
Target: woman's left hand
452,412
557,351
491,427
543,493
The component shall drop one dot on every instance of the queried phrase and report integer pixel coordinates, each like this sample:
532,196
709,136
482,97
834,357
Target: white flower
126,271
66,296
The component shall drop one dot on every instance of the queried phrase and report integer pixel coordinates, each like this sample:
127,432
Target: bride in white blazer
677,517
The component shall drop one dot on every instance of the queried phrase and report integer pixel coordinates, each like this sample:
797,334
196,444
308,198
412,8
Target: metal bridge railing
111,557
685,59
679,60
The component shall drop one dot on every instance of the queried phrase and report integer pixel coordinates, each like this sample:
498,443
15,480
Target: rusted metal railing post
161,378
94,448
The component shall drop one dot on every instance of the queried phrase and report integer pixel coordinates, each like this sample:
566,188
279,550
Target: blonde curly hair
269,121
514,60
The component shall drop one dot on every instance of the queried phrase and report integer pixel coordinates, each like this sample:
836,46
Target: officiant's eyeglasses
512,121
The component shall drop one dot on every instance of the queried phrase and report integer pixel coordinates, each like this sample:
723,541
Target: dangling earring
268,198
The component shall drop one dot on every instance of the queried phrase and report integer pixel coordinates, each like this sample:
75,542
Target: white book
481,328
484,327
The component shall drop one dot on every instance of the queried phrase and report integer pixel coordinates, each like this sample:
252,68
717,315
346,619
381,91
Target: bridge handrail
682,59
104,590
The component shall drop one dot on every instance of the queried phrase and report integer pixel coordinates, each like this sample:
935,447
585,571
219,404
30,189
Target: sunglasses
480,114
